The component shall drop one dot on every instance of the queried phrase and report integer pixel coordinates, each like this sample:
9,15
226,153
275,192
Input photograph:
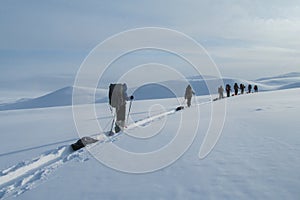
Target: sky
43,43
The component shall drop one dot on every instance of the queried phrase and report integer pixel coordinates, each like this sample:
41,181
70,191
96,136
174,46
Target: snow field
255,158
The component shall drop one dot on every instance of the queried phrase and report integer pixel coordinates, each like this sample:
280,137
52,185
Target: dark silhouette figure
228,89
255,88
188,95
236,89
242,87
249,88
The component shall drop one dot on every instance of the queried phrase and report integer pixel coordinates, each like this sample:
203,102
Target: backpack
116,95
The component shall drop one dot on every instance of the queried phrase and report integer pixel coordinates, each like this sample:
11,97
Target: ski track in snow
27,175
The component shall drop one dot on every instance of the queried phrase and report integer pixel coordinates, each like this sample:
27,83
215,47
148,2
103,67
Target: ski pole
129,109
112,124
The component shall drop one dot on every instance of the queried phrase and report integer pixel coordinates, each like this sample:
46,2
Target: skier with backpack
117,99
188,95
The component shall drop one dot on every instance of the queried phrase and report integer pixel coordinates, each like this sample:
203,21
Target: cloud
61,24
236,33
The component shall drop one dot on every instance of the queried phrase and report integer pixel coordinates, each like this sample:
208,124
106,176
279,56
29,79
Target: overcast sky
46,41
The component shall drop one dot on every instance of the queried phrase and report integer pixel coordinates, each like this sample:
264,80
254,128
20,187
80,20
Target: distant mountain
152,91
285,81
289,86
61,97
282,76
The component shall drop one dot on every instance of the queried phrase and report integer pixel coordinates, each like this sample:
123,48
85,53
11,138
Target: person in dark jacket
249,88
255,88
242,87
228,89
236,89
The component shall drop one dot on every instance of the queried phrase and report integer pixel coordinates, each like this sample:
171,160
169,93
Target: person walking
236,89
255,88
228,89
117,99
242,88
249,88
220,91
188,95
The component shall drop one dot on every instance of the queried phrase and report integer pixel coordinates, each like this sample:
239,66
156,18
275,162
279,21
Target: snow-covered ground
256,157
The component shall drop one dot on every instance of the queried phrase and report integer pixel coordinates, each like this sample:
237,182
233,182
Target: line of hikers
118,97
236,88
117,100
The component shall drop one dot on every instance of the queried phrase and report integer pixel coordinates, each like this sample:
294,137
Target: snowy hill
61,97
282,76
290,85
285,81
257,156
167,89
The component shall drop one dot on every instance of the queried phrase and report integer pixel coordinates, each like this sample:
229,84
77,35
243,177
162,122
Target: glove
131,97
